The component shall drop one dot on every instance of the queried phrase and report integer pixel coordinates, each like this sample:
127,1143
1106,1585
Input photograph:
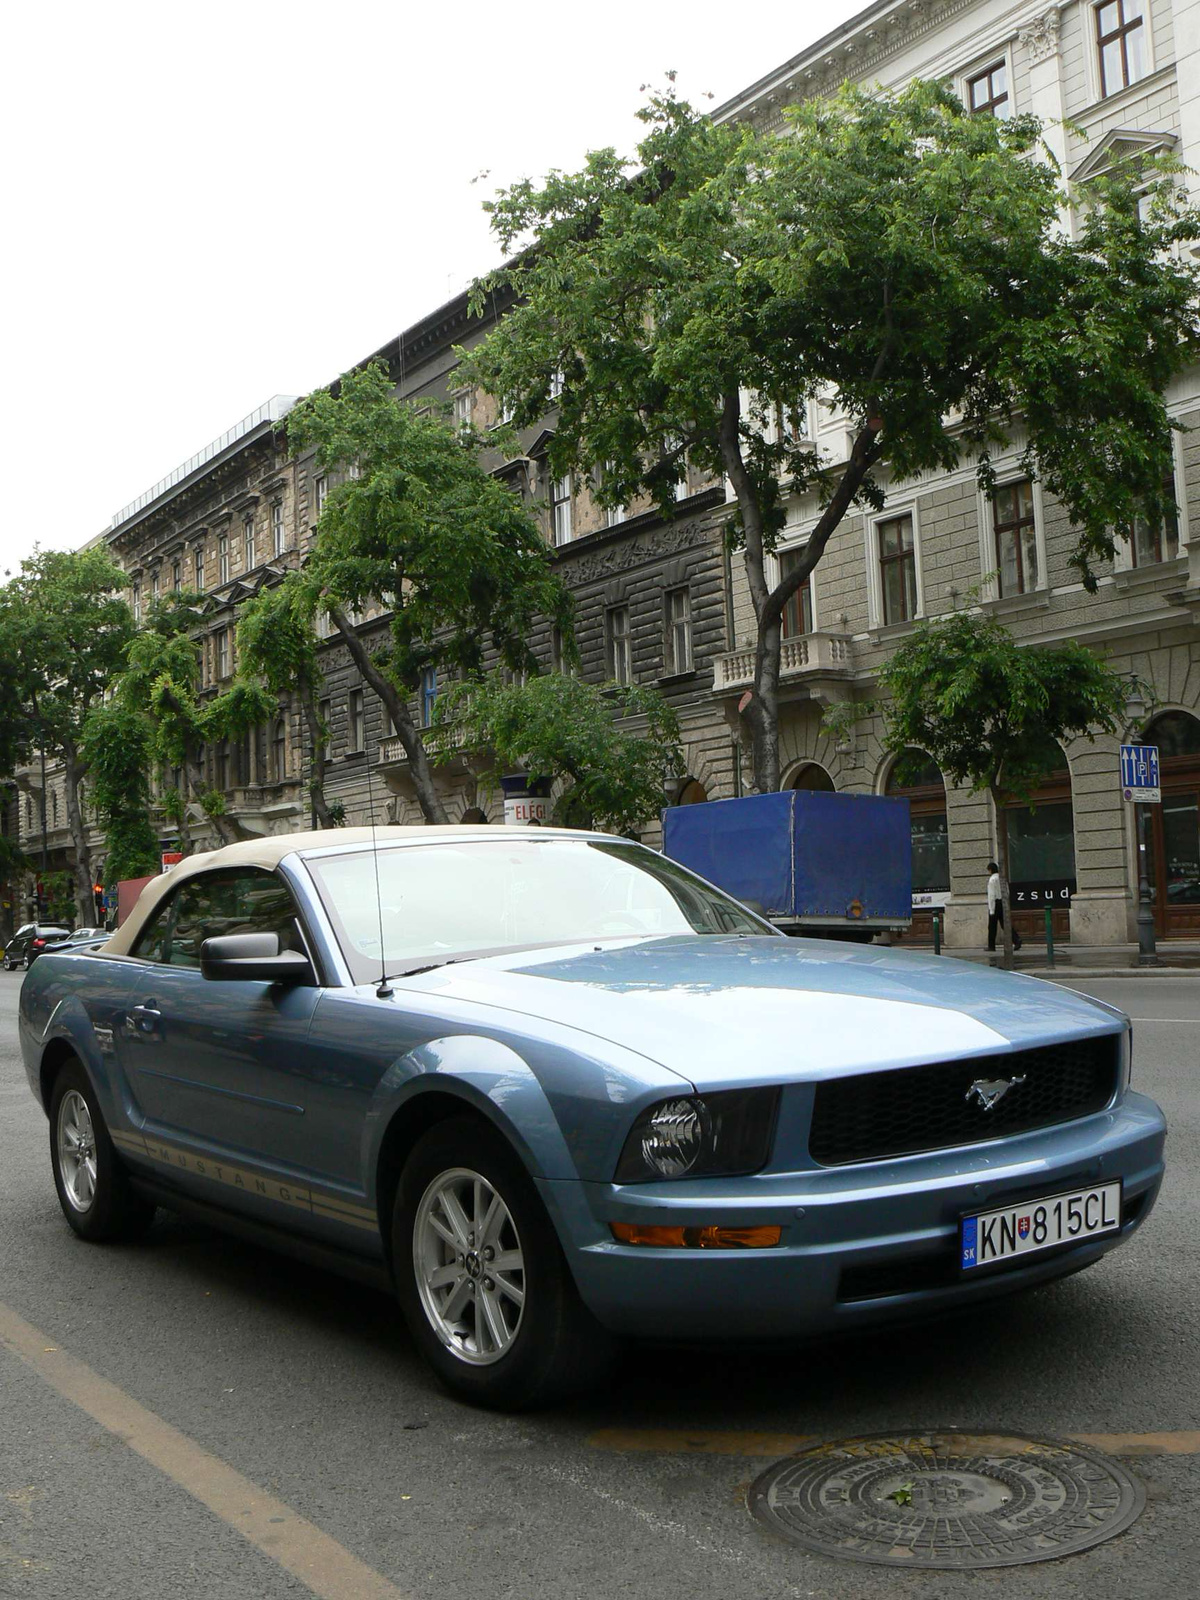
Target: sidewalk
1176,957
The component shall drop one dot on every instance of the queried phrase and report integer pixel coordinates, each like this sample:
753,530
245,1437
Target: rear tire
94,1190
481,1276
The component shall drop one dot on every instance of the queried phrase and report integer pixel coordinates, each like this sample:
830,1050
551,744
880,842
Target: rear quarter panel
75,1002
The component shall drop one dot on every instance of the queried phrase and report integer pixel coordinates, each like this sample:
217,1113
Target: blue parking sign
1139,773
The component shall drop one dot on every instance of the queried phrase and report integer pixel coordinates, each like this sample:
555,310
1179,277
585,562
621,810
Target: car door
223,1062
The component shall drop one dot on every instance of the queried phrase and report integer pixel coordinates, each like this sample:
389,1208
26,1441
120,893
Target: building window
277,527
222,559
614,516
897,569
797,613
1150,543
357,721
199,568
1016,537
678,604
462,410
154,587
560,509
249,555
556,384
429,694
1121,41
987,91
137,602
320,494
177,576
279,751
617,644
223,653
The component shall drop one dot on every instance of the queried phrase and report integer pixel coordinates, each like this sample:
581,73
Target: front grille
874,1115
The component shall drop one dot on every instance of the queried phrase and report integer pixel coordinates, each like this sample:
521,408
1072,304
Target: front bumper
859,1245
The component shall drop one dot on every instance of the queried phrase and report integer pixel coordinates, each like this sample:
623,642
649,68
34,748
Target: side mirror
254,958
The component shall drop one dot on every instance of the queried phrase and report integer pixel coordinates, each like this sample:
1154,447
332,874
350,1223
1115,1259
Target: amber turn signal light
708,1238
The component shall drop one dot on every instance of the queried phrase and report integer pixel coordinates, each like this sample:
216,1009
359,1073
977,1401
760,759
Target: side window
155,940
217,903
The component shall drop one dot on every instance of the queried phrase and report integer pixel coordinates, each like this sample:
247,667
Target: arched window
1041,850
279,751
473,814
691,793
1173,828
916,777
809,775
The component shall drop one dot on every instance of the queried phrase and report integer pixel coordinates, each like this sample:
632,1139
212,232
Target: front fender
490,1078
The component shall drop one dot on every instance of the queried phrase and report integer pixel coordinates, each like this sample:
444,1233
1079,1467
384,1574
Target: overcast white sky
208,204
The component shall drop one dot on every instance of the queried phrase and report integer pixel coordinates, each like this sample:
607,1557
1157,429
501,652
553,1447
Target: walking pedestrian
996,908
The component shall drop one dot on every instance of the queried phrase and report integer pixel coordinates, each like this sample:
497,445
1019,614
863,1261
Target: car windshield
443,901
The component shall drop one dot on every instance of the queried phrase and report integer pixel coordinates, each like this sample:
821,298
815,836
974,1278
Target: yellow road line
327,1568
678,1441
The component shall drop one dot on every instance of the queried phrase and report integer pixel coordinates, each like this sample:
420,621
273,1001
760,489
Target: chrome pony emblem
990,1091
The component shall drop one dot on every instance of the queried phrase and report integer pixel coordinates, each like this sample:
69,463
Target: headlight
721,1135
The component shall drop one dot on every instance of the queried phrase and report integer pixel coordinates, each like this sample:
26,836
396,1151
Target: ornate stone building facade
1109,79
663,604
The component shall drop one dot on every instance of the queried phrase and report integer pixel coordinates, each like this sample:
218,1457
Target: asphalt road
289,1424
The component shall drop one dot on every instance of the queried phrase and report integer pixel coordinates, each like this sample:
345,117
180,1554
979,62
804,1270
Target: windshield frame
365,969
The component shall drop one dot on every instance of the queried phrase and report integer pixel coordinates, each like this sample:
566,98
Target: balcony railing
811,655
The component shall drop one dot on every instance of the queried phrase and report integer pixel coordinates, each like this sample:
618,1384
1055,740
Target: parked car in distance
31,941
85,939
553,1089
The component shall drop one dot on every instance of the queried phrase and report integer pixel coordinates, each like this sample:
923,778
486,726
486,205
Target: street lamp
1135,711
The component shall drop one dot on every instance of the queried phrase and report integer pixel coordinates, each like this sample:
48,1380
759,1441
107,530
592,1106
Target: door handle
144,1019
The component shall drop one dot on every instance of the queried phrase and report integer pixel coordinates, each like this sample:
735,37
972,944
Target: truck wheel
481,1276
93,1187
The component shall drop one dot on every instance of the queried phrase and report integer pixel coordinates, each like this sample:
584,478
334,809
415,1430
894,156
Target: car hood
726,1010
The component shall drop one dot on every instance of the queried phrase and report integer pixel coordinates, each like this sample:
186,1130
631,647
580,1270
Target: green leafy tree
616,745
277,643
419,529
991,712
888,254
117,748
159,683
64,621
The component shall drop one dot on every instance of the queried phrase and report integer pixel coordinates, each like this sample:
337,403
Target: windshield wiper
412,972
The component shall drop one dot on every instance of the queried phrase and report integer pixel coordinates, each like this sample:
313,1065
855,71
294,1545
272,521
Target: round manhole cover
947,1499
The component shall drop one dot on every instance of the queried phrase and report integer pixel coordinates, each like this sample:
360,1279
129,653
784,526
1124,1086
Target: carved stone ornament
1040,38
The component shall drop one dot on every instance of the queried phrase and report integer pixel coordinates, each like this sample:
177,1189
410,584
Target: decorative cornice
1040,37
855,53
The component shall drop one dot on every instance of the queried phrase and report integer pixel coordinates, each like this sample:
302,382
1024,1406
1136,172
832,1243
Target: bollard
1049,937
937,934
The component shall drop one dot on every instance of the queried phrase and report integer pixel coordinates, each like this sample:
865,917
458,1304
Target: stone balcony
815,666
393,763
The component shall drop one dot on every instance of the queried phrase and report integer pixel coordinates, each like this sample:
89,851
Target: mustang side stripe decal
288,1194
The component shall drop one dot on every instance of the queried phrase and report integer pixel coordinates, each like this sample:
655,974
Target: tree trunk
226,829
81,867
406,730
1002,862
760,716
318,763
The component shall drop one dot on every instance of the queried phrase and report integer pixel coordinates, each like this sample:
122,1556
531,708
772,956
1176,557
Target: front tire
481,1276
93,1187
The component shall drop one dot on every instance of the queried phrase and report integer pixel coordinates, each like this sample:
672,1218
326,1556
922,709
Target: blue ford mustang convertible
554,1089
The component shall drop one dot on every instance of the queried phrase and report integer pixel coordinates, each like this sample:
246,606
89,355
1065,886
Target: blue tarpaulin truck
813,861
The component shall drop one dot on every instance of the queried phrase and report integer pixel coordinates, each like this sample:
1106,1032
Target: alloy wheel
469,1266
77,1150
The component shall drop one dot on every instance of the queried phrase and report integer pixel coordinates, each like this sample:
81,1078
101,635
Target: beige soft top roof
269,851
